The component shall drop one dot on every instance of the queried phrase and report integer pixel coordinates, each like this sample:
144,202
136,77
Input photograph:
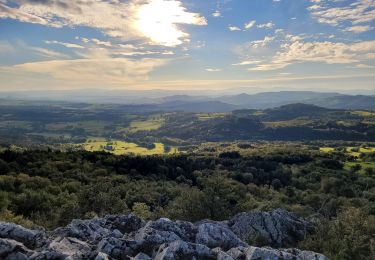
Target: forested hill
55,123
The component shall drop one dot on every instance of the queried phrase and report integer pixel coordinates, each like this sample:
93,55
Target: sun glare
158,20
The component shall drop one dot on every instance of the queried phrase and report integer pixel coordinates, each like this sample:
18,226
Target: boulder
306,255
237,253
124,223
117,248
279,227
149,239
102,256
141,256
11,249
221,255
71,248
163,230
184,250
91,230
94,230
49,255
255,253
216,234
30,238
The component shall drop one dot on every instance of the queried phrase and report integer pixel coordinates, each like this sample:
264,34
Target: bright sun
158,18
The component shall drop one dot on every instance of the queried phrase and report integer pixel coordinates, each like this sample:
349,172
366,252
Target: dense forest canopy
218,180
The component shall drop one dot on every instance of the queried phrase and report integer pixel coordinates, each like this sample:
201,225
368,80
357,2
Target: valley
61,161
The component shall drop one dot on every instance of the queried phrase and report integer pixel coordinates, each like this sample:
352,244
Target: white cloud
359,28
324,52
19,48
356,12
234,28
269,25
66,44
364,66
107,71
282,50
48,53
248,62
216,14
155,20
314,7
13,13
213,70
99,42
250,24
261,43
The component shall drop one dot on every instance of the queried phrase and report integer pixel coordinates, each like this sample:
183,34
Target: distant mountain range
266,100
164,101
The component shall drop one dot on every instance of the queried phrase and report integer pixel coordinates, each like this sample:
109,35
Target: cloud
213,70
364,66
48,53
234,28
269,25
108,71
91,64
282,50
250,24
216,14
19,48
357,12
324,52
13,13
66,44
359,28
248,62
261,43
154,20
99,42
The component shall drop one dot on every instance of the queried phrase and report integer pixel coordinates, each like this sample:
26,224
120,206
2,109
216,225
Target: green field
364,165
364,113
121,148
148,125
208,116
294,122
356,152
368,116
326,149
350,149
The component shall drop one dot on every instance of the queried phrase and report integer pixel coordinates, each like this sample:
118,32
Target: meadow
356,161
118,147
150,124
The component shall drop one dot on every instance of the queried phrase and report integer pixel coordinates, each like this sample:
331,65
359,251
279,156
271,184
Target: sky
210,45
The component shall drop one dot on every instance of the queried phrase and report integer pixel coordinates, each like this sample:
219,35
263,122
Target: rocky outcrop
279,227
214,234
129,237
